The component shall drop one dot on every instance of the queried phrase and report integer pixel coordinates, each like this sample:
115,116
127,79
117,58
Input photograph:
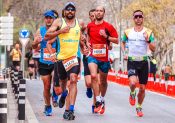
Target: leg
47,85
94,78
103,83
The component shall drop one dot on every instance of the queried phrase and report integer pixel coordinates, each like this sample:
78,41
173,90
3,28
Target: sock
71,107
64,94
88,89
102,99
139,106
98,98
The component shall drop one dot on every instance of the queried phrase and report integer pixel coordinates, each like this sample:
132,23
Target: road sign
4,31
6,19
24,33
6,25
6,42
6,36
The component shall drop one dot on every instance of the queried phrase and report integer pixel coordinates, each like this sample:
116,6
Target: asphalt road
156,108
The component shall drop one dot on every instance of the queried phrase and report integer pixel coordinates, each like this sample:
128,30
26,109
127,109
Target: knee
93,76
73,79
142,89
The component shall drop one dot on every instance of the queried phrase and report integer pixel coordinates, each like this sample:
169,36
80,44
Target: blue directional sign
24,33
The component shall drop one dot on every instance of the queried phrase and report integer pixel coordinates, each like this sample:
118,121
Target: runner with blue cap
46,66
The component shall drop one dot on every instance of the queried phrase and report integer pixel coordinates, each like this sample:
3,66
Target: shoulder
127,31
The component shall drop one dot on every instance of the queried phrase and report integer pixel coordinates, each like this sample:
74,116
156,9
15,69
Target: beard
70,17
99,18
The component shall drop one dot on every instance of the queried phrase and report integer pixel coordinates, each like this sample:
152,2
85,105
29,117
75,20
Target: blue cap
49,13
69,4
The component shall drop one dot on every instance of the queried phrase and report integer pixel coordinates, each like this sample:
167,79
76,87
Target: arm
11,53
55,30
37,39
49,45
150,41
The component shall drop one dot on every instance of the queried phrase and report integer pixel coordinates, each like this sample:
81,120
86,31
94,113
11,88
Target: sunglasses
70,9
138,16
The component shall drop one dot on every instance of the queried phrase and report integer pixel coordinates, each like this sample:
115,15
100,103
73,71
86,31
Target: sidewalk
12,107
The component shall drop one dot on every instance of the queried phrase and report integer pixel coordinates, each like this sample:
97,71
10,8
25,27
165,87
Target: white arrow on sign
6,42
6,31
24,41
6,19
6,25
6,36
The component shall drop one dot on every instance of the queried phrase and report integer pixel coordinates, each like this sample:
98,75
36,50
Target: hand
85,50
83,38
38,39
53,58
65,29
146,36
103,33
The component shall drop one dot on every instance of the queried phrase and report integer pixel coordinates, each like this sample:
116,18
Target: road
156,108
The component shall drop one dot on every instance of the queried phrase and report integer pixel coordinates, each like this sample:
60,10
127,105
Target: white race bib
69,63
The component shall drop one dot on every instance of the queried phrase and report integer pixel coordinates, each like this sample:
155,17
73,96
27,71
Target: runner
30,63
100,35
68,62
16,56
139,38
46,66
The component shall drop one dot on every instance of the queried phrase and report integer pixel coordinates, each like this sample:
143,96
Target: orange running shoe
102,108
99,107
132,99
139,111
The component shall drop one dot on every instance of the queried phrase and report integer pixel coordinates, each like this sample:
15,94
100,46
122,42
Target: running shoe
139,111
89,92
102,108
99,107
66,113
62,99
93,107
48,110
69,115
55,100
132,99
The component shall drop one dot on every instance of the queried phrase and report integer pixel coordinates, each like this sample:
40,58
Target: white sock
98,98
102,99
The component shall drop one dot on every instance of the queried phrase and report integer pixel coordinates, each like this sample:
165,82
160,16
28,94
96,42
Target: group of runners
62,40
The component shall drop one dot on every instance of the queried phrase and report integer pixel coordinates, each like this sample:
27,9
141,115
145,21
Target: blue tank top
45,55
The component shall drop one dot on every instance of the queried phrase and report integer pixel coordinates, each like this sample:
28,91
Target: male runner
46,66
138,38
68,63
100,34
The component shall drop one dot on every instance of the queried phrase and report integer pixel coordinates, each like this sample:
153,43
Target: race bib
99,50
69,63
47,54
36,54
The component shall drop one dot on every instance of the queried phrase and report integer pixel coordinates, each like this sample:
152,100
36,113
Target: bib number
99,50
70,63
46,55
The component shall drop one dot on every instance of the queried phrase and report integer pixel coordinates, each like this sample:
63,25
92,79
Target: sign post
24,39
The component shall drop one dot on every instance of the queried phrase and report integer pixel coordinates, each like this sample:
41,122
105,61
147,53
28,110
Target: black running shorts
140,69
63,74
45,69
